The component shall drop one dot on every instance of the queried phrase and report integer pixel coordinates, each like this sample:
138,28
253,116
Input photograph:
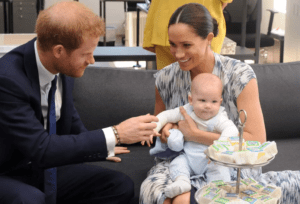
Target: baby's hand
150,141
156,134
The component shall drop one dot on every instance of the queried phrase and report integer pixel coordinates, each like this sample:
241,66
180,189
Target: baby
205,109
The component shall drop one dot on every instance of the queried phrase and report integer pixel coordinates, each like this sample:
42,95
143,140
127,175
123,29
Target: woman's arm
159,104
191,132
249,101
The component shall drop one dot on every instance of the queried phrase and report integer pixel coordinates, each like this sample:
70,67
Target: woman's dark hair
198,17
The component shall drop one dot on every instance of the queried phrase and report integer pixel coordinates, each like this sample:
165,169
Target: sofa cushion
102,91
287,157
279,93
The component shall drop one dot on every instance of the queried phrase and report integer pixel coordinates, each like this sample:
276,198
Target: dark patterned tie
50,174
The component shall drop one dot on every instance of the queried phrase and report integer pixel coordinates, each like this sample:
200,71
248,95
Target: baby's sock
181,185
175,140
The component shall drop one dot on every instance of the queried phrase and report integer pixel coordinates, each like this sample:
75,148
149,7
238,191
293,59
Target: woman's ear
209,37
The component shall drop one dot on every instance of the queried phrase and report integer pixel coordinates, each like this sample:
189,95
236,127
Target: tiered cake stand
239,166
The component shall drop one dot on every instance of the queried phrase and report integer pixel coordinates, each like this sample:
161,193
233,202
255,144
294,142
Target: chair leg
281,50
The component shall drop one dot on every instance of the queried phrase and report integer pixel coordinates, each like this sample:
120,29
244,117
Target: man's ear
58,51
190,98
221,101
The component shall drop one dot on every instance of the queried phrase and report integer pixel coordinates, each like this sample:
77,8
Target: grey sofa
107,96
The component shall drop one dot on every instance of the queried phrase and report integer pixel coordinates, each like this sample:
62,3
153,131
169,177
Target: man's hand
164,134
118,150
187,126
137,129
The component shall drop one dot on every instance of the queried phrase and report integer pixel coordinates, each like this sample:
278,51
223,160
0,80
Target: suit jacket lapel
31,70
30,66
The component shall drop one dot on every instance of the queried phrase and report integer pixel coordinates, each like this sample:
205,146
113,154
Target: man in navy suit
67,34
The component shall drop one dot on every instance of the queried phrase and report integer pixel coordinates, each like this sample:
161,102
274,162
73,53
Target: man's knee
124,186
31,196
118,188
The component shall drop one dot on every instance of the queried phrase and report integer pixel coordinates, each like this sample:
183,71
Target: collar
45,77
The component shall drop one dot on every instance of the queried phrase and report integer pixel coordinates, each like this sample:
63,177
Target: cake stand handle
241,130
238,181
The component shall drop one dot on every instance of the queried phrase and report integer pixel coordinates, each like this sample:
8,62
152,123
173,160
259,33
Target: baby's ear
190,98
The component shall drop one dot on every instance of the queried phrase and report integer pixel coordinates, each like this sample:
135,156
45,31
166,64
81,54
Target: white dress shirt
45,78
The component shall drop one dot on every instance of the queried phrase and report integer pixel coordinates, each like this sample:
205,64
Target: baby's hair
198,17
206,79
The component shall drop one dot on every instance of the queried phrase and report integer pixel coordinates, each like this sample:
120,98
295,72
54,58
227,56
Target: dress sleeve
164,79
242,74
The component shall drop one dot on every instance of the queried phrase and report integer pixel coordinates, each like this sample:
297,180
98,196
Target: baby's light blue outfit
192,162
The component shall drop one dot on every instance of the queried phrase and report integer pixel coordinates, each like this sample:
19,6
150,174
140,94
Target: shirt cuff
110,141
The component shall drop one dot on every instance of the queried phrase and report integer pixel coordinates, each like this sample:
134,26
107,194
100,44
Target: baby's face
206,102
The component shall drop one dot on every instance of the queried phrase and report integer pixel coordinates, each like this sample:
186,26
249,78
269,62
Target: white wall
279,18
266,4
115,15
292,30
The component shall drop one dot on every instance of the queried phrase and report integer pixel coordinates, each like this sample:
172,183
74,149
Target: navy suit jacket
23,138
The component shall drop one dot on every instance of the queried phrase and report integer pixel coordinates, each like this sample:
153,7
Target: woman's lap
158,178
289,181
153,186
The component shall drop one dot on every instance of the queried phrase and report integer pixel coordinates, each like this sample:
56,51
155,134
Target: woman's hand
187,126
118,150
